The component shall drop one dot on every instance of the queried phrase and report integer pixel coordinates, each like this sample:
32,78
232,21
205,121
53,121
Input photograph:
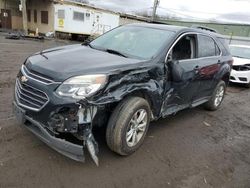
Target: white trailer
83,19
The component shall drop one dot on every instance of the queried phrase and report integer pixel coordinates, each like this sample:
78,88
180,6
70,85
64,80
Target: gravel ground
194,148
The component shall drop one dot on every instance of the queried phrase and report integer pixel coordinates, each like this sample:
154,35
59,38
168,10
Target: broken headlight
81,86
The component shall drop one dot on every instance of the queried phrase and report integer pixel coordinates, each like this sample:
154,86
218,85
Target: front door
183,82
6,18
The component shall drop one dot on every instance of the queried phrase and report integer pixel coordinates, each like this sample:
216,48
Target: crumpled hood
67,61
240,61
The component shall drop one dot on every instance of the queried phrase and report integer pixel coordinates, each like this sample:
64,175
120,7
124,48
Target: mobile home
83,19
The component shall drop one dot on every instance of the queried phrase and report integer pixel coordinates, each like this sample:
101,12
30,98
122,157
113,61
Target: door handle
196,69
219,62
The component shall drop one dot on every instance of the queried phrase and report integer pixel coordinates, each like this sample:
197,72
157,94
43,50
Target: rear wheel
217,97
128,125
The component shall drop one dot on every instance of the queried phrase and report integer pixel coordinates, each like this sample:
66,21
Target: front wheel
128,125
217,97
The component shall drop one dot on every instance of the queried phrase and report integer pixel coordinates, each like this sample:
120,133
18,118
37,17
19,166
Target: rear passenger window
207,47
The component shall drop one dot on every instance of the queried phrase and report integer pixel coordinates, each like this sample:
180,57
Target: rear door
209,56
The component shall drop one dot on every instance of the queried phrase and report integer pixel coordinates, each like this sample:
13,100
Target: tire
212,104
121,122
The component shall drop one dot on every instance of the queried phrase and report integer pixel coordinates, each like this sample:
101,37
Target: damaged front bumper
69,149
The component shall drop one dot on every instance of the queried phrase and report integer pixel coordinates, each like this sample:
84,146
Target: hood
63,62
240,61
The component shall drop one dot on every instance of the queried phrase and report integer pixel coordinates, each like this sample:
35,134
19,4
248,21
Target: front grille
35,76
30,97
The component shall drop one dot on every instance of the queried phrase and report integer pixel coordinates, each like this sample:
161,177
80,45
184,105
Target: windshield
133,41
241,52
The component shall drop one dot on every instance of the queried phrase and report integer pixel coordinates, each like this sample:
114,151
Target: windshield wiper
91,46
116,52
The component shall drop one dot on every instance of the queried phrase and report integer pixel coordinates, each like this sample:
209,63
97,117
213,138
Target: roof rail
204,28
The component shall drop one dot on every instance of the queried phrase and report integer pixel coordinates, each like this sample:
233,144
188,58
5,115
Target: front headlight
81,86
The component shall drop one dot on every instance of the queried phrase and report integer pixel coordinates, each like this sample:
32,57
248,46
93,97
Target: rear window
225,45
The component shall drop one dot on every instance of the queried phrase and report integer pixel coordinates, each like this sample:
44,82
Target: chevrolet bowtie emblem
24,79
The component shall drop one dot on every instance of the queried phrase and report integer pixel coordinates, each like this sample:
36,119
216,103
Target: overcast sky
219,10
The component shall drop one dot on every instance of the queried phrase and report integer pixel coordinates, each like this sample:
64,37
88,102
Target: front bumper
66,148
240,76
52,118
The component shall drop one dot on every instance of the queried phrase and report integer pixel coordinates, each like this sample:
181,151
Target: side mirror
170,57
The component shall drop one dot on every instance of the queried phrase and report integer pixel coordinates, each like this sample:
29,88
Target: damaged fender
145,81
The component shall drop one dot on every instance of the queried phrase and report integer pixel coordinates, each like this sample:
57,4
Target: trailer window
79,16
87,16
61,14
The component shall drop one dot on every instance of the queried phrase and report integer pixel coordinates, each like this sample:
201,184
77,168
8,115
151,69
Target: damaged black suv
122,80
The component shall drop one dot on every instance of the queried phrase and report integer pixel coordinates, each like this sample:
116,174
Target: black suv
122,80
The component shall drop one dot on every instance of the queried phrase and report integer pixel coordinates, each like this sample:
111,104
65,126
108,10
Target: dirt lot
194,148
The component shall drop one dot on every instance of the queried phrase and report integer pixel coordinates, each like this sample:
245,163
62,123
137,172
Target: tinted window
134,41
224,44
207,47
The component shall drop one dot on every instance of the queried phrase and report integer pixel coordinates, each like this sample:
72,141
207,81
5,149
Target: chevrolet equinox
122,80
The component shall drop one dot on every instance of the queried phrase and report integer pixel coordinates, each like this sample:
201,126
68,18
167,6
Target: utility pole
24,11
156,3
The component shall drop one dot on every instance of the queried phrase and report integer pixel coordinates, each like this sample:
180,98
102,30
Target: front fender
146,81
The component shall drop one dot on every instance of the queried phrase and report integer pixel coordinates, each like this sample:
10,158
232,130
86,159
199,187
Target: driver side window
184,49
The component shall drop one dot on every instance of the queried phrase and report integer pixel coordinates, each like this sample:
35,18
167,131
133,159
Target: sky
235,11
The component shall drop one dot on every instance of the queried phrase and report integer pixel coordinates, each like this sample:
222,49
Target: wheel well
226,78
142,95
134,94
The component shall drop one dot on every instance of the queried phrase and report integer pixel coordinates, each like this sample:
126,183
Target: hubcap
137,127
219,96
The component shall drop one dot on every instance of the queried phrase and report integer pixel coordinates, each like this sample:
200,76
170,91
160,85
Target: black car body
183,73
